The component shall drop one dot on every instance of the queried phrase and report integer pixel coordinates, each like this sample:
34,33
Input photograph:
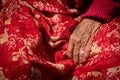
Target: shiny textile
33,40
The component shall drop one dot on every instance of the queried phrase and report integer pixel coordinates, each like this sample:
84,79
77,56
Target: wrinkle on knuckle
83,41
81,55
77,40
87,35
76,51
75,54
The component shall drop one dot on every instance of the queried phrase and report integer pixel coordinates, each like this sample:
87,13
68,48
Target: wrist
91,20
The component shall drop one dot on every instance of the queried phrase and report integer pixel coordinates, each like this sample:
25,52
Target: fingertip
82,58
81,61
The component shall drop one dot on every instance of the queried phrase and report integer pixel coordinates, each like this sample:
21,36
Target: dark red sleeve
103,9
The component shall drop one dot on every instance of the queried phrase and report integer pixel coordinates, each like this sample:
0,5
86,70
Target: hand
81,39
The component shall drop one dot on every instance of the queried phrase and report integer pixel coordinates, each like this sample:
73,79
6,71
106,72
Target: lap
21,43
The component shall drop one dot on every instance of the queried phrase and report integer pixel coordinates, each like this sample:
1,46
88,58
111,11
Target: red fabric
104,9
34,36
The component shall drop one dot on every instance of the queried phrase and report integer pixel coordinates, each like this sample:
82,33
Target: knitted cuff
103,9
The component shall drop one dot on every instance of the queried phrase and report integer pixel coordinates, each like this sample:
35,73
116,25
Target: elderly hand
81,39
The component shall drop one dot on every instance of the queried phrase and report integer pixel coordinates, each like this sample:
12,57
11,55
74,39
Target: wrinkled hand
81,40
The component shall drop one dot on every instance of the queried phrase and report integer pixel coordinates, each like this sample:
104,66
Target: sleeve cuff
103,9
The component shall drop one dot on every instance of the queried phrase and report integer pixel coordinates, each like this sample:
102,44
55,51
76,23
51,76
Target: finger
70,49
90,44
86,50
88,47
82,51
81,55
76,52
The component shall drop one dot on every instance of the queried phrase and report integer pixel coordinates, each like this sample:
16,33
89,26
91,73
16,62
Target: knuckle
81,55
75,54
77,40
86,36
83,41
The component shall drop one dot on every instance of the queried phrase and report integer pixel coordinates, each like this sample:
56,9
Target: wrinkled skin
81,40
